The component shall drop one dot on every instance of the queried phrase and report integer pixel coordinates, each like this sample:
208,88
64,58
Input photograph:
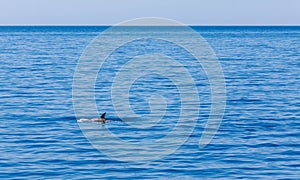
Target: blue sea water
259,137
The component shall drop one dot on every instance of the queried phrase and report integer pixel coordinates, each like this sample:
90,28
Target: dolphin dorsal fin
103,115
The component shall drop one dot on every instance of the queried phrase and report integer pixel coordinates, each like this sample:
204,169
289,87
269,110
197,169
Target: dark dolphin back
103,115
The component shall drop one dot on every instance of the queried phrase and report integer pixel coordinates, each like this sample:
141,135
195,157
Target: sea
258,136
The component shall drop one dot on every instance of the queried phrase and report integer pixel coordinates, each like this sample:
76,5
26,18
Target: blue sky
106,12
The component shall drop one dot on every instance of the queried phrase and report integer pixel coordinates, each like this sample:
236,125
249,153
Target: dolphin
101,119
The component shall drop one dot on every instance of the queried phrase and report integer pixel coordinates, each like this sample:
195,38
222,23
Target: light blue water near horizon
259,137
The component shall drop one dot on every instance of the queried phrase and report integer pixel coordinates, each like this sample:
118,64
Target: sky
109,12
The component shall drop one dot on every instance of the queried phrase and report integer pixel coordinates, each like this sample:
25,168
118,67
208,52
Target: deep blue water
259,137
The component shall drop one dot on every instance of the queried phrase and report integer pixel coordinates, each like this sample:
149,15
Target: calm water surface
259,137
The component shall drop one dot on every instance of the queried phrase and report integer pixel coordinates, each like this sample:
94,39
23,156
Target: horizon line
149,25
